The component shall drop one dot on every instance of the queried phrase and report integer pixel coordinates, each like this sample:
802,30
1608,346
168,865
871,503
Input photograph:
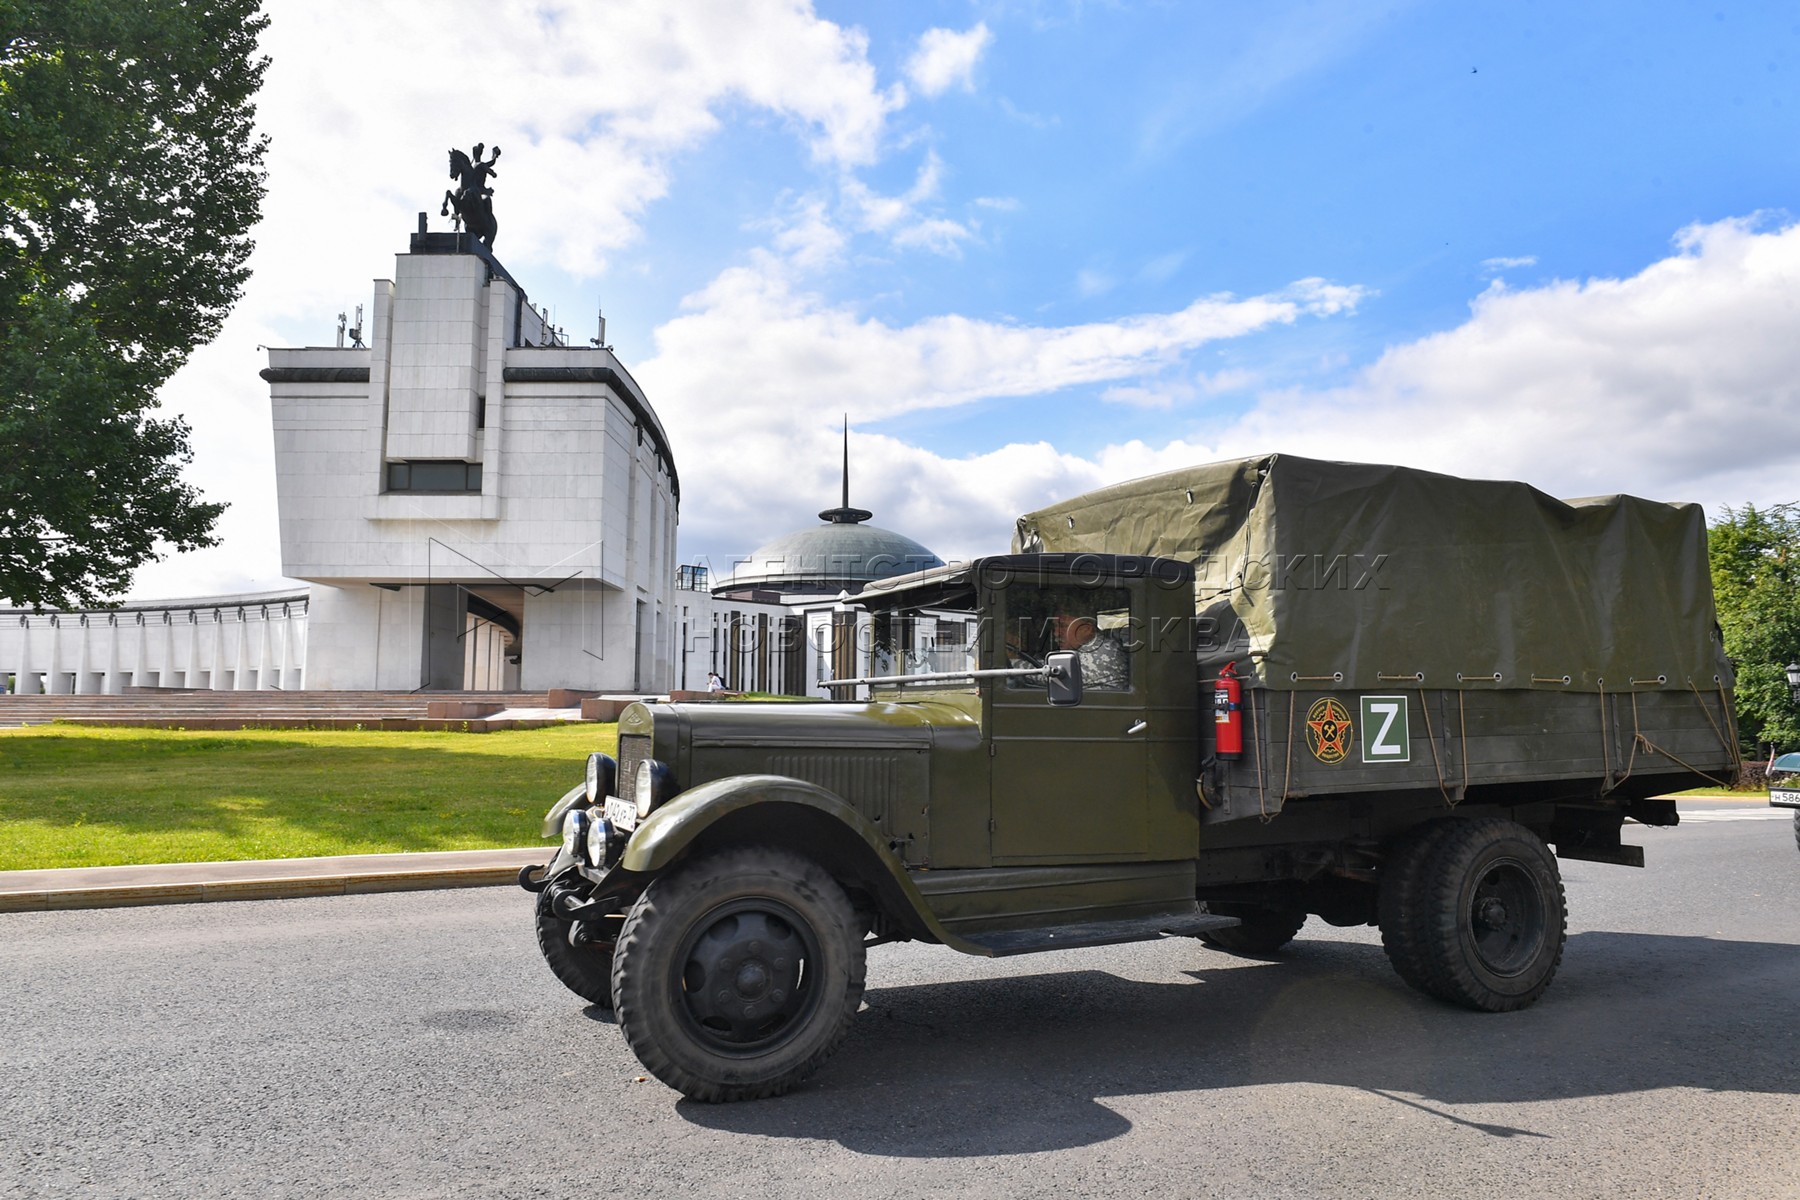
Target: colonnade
221,643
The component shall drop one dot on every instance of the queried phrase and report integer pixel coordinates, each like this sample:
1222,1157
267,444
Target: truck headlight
575,826
655,783
602,771
599,841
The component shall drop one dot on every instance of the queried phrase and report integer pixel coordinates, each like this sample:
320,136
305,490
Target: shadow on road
1018,1065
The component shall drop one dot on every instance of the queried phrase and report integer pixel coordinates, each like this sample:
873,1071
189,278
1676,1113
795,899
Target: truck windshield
1094,622
923,632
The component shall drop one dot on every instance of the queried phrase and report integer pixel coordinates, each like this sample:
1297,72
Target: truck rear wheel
737,975
1263,931
1488,918
584,970
1398,900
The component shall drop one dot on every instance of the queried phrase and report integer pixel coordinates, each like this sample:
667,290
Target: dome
842,555
838,556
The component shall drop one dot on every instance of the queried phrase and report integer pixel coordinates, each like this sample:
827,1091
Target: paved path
414,1045
260,879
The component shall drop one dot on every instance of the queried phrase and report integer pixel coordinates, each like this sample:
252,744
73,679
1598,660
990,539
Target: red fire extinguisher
1228,721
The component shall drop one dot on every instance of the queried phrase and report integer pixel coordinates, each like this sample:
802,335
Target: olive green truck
1214,703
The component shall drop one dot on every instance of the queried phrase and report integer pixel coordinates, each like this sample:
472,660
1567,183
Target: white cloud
1090,282
1163,267
939,235
946,59
1162,395
750,382
1232,379
1681,382
1168,393
999,203
1494,266
899,217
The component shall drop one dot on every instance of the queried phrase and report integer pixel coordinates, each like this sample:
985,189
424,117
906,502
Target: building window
448,476
690,578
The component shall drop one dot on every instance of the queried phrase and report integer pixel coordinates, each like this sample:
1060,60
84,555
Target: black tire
1263,931
1490,919
584,970
779,932
1797,829
1399,897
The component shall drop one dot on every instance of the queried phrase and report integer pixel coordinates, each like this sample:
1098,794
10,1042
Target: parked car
1784,788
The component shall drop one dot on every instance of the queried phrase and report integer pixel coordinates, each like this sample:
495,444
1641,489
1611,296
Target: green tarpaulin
1324,574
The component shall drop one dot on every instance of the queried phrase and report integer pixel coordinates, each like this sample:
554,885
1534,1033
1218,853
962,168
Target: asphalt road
415,1045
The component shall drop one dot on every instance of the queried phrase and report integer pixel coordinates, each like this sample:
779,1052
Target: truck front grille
634,748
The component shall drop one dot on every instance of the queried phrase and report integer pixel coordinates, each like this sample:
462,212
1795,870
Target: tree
130,177
1756,585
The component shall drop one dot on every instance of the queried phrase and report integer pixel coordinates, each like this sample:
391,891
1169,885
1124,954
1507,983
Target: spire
844,514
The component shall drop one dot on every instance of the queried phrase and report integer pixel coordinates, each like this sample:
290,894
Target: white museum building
475,504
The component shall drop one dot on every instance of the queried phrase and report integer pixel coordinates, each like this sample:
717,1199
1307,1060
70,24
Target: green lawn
77,796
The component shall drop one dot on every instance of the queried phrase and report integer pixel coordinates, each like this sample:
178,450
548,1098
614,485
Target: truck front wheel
584,970
737,974
1486,918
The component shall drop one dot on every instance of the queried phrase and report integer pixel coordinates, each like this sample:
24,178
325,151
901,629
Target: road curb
275,883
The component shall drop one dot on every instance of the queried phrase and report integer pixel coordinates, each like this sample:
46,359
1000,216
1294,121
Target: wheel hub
1506,914
744,974
1490,913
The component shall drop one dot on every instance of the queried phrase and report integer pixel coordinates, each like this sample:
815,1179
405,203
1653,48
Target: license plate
621,814
1784,799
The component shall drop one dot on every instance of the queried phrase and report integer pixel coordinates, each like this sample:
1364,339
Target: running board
1005,942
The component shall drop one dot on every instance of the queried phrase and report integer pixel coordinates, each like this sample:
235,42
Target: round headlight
574,832
601,770
654,784
599,838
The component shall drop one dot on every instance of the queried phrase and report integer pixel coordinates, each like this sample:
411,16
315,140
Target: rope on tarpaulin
1288,775
1436,764
1462,721
1262,806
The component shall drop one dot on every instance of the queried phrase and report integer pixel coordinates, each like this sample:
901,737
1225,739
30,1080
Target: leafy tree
1756,584
130,176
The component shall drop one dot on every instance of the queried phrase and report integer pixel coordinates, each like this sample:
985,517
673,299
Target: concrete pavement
263,879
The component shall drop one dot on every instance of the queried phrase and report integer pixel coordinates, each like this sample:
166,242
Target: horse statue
473,199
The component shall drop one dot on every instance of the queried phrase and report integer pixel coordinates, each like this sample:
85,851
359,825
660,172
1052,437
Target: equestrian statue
473,199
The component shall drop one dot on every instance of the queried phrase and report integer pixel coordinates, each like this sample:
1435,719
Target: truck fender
736,803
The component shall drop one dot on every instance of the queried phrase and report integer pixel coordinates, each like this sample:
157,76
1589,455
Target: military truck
1215,703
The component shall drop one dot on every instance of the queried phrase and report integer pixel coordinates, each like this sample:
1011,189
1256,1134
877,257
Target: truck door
1069,784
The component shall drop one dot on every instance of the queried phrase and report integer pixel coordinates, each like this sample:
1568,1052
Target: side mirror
1062,678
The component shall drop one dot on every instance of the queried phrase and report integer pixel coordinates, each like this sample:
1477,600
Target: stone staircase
172,708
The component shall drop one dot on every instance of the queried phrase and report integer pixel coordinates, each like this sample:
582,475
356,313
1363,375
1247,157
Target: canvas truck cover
1316,574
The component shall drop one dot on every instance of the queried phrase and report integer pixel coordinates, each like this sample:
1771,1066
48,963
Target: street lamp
1793,678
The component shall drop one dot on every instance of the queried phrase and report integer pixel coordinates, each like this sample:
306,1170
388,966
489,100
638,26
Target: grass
78,796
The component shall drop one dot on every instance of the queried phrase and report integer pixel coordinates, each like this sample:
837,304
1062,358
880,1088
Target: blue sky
1033,248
